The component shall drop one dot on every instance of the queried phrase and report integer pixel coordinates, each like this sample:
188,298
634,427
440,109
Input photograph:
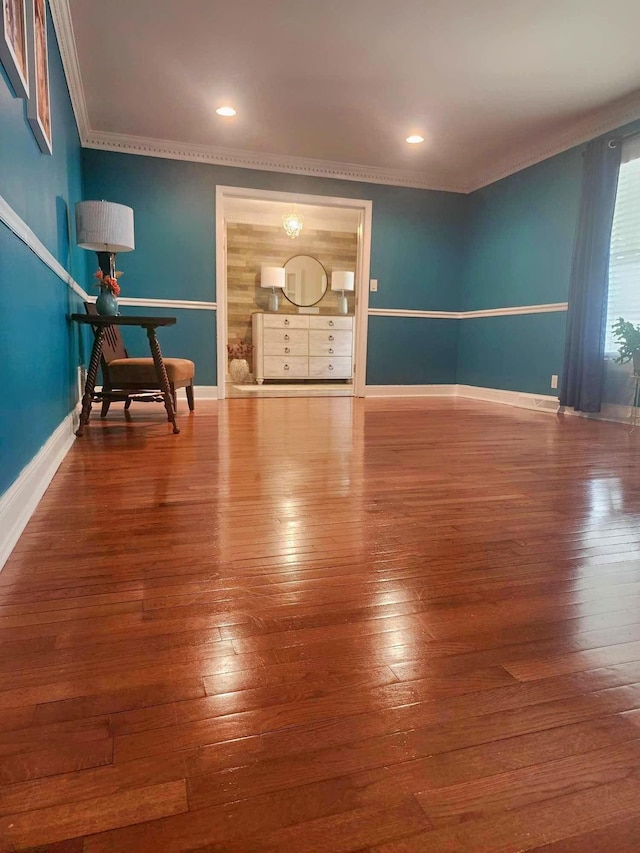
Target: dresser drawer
286,342
329,368
285,321
285,368
330,342
330,322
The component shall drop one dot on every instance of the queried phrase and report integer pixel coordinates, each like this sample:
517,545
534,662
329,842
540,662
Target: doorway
249,234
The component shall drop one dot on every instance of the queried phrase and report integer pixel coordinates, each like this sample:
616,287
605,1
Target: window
624,263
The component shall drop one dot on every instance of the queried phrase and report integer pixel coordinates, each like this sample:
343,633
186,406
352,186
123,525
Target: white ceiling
492,84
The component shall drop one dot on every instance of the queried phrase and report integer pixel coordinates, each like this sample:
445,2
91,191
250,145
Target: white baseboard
19,502
612,412
521,399
535,402
410,390
205,392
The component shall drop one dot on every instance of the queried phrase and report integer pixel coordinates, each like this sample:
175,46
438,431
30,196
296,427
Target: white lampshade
342,280
104,226
272,277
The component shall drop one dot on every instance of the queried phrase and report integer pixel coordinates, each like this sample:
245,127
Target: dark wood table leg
92,375
161,372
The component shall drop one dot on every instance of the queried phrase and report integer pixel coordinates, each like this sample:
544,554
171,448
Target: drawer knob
286,367
331,322
331,350
286,337
286,349
330,367
286,322
331,337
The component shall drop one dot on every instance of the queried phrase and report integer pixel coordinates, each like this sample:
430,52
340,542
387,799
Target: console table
302,346
100,323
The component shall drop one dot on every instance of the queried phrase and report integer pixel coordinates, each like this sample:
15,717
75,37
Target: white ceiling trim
608,118
172,150
63,25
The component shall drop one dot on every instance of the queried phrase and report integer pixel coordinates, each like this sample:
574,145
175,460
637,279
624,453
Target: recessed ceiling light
416,139
226,111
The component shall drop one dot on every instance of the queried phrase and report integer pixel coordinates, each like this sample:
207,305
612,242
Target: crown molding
172,150
597,122
608,118
63,25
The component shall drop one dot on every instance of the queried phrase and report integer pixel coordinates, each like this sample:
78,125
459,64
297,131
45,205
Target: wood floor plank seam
337,624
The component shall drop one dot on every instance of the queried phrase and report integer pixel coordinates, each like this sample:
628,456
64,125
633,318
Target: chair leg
189,390
173,396
105,408
127,404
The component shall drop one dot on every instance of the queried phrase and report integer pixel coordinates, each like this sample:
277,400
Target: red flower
107,282
239,350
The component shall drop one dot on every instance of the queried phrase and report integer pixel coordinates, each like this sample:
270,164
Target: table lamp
342,280
107,228
273,277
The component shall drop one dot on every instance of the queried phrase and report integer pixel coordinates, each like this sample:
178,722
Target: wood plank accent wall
251,246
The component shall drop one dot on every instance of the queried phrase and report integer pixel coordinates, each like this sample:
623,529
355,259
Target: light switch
373,285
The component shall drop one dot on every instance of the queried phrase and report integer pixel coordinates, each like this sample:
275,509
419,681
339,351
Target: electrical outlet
554,380
373,285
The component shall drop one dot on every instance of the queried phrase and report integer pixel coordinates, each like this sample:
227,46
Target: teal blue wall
39,350
412,351
520,236
416,249
514,353
505,245
518,250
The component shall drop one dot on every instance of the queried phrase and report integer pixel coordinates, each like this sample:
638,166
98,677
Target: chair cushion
143,371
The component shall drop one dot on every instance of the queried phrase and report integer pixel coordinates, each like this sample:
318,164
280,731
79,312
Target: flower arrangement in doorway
240,350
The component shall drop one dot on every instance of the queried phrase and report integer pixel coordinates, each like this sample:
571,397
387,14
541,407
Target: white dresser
302,346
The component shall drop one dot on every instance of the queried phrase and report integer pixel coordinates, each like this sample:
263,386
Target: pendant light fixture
292,223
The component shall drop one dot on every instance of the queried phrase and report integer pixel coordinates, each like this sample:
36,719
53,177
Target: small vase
106,303
239,370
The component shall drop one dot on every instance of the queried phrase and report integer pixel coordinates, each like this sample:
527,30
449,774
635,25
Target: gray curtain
582,373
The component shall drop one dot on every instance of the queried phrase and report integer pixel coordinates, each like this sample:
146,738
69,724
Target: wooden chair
137,376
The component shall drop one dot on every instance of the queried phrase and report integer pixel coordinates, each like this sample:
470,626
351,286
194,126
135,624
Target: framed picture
39,105
13,44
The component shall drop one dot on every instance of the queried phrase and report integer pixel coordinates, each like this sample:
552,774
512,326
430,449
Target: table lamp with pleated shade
341,281
273,277
107,228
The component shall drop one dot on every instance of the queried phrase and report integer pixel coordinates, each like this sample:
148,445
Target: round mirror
305,280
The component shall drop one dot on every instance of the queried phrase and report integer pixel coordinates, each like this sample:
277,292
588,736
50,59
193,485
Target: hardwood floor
327,625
